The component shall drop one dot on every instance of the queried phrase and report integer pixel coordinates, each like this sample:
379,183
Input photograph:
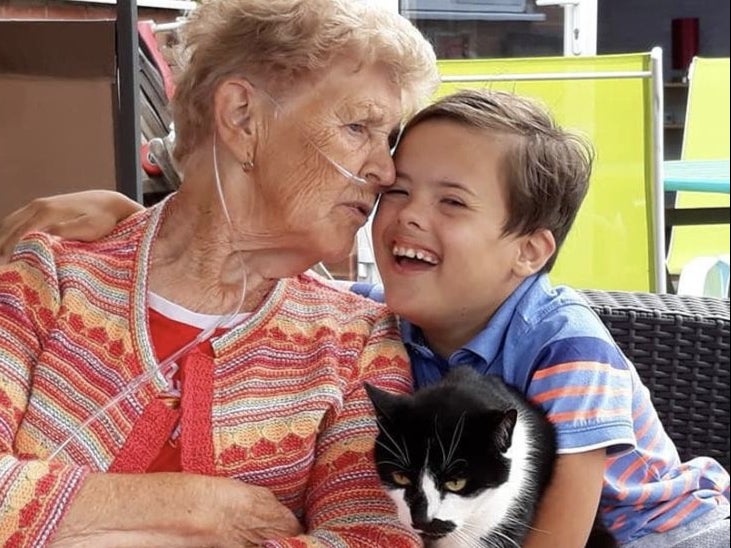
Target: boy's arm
569,505
584,384
86,216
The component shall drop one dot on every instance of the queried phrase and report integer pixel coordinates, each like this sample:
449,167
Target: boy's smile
438,233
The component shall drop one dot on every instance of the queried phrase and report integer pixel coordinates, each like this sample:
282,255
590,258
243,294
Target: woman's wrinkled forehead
364,93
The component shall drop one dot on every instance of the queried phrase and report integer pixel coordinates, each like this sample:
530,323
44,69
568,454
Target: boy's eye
395,192
453,202
455,485
399,478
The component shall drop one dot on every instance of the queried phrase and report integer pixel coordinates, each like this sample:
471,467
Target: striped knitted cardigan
283,407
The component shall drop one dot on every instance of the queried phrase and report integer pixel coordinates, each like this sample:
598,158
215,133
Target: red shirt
169,335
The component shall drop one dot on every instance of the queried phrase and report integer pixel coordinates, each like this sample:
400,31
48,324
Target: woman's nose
379,168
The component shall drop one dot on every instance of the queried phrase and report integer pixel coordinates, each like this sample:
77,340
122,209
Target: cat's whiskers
456,436
391,462
398,453
447,456
453,464
511,519
439,440
510,541
463,536
490,541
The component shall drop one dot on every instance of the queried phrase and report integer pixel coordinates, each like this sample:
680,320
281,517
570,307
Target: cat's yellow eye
400,479
455,485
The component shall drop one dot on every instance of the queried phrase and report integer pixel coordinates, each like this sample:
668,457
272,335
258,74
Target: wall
58,9
631,26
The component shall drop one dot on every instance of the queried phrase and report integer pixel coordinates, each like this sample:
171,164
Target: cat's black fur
475,428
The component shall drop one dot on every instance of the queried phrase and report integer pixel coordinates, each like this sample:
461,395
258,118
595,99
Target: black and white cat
466,461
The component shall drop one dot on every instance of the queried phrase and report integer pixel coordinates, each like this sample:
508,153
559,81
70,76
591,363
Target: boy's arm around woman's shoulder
85,216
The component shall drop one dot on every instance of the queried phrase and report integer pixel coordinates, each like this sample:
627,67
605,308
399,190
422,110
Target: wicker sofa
680,346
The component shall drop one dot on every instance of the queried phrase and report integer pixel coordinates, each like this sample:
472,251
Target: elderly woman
181,382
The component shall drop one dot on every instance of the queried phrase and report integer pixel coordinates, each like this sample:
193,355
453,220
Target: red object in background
684,41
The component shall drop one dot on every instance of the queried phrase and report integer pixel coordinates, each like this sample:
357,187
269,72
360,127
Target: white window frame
579,25
182,5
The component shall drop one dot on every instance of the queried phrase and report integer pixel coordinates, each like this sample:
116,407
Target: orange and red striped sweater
282,406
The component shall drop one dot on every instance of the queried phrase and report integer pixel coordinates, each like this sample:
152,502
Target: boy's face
437,234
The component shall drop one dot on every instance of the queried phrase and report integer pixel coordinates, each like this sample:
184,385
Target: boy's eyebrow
442,183
455,185
402,175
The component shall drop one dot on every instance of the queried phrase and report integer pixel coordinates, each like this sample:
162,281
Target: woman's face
346,116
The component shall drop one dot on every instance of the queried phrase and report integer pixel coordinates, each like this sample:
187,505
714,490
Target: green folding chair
706,137
614,242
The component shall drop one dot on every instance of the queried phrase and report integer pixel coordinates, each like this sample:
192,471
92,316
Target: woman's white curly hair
279,41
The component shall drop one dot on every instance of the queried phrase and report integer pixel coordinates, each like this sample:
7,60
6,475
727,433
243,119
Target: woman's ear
534,252
235,117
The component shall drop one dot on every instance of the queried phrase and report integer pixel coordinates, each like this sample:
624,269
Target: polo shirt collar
485,346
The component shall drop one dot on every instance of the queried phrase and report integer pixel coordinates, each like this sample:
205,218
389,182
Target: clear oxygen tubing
167,366
345,172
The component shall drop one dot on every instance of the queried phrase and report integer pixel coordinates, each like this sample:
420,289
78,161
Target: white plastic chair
705,276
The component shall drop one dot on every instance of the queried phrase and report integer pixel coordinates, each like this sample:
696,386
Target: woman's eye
455,485
399,478
393,138
357,129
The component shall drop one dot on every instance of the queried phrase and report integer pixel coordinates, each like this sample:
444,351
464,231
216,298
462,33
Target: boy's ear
235,116
534,252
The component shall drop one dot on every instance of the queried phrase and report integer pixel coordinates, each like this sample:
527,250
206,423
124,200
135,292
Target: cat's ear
383,402
504,431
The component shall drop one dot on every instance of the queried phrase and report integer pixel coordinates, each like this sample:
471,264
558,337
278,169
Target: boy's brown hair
546,168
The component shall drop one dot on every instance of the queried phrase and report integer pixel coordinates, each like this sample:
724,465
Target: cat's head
439,451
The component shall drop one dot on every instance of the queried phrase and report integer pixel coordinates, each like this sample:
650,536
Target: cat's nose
435,528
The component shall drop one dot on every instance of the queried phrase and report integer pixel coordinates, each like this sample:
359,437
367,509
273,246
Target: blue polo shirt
548,343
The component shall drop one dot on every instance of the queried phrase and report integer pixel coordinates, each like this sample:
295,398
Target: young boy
487,188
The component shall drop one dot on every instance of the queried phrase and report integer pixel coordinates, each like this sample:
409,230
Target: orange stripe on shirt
677,518
578,391
576,366
583,415
631,469
645,428
640,410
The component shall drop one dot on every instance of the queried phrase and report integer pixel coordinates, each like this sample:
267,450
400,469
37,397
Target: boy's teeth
411,253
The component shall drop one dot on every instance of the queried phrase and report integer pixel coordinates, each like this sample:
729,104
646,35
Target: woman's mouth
360,209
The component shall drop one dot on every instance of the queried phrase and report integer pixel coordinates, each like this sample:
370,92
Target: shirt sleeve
584,384
345,502
34,493
369,290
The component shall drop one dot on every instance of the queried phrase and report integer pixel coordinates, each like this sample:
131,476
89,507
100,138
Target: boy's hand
86,216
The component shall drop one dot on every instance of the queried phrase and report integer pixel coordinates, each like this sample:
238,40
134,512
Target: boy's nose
411,216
